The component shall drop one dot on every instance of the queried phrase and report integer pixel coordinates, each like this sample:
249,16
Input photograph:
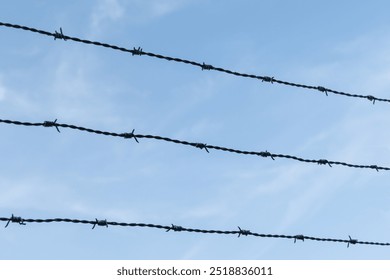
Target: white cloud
216,210
140,11
18,194
32,193
360,64
2,91
73,94
81,208
106,11
355,139
359,136
15,101
305,190
165,7
135,11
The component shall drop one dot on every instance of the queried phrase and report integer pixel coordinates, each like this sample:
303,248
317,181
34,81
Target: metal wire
139,51
175,228
201,146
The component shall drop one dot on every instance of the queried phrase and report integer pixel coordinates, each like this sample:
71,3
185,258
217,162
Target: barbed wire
175,228
198,145
139,51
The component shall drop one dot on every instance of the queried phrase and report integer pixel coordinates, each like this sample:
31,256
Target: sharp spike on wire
201,146
204,66
175,228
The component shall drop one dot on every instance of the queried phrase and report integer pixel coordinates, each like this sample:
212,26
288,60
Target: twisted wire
175,228
201,146
139,51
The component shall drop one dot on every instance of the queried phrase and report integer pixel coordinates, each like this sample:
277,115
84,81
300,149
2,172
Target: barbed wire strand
139,51
175,228
201,146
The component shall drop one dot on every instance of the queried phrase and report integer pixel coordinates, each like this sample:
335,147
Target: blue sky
342,45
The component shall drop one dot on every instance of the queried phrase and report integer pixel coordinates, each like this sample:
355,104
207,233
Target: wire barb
195,144
299,237
130,135
15,219
371,98
206,66
175,228
137,51
201,146
374,167
323,89
266,154
268,79
59,35
51,124
351,241
324,162
102,223
243,232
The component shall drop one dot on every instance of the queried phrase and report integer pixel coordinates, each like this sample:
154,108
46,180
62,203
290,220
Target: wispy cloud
73,94
158,8
18,194
135,11
207,211
106,11
359,64
139,11
3,91
82,209
13,101
345,141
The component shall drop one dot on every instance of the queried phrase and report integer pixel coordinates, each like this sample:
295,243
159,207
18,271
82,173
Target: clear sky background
342,45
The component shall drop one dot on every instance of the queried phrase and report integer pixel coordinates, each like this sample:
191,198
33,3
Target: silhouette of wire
240,232
139,51
201,146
